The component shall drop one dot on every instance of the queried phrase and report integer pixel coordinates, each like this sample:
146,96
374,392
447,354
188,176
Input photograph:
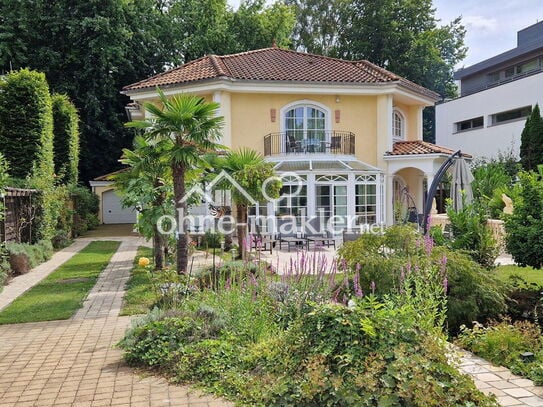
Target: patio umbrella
461,184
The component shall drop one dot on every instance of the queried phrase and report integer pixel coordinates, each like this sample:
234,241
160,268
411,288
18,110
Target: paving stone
532,401
507,401
522,382
74,362
503,384
518,392
486,377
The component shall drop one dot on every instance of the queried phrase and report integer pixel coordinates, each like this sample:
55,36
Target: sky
491,25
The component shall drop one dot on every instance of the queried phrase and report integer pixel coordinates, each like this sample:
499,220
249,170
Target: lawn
139,290
60,294
527,273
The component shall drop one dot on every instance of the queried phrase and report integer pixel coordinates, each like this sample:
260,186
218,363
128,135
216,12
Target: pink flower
356,282
372,286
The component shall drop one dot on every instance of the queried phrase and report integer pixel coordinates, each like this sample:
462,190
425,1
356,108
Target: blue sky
492,25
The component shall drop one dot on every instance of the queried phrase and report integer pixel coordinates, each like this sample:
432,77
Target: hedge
26,124
66,139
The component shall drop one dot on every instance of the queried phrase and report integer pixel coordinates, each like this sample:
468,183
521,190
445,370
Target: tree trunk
241,219
158,249
178,171
158,239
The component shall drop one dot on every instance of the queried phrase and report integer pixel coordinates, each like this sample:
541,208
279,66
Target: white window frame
307,103
402,128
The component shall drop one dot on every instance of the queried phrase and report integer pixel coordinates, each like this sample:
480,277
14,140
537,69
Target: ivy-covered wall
66,139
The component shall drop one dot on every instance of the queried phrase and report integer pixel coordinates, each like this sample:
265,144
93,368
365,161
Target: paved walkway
74,362
510,390
22,283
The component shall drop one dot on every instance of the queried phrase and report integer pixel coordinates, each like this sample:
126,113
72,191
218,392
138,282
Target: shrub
473,292
24,257
5,268
61,239
471,234
502,343
66,139
372,352
157,342
523,227
211,240
86,210
233,270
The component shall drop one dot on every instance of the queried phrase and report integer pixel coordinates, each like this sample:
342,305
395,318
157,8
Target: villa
349,130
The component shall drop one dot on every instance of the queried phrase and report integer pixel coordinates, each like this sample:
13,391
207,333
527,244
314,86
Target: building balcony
314,142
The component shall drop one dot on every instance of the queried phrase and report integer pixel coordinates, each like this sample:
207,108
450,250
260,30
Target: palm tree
145,184
185,126
250,170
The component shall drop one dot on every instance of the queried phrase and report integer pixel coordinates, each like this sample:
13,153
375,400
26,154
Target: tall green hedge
26,124
66,139
26,140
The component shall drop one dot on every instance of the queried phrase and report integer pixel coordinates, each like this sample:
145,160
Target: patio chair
293,145
350,235
334,146
262,241
291,237
313,233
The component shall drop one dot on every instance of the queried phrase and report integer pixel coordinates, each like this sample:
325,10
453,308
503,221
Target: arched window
398,125
305,121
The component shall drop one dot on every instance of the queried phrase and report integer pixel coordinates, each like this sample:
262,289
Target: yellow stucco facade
254,109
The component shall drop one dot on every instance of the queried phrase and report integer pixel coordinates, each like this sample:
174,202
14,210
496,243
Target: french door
331,201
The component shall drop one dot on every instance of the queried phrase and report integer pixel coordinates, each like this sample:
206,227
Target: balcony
319,142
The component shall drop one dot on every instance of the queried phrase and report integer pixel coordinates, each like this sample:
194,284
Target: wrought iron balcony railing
312,142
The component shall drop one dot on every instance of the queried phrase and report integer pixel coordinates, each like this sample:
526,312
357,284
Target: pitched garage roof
276,64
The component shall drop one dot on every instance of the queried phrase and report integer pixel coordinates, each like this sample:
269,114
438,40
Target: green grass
527,273
139,290
60,294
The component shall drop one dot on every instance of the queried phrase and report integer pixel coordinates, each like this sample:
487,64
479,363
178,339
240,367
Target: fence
19,218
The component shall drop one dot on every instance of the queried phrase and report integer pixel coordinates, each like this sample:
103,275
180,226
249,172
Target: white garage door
113,211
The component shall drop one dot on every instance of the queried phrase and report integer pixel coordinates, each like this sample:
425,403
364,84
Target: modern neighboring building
351,131
496,96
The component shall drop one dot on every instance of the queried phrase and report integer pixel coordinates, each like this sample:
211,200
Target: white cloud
480,23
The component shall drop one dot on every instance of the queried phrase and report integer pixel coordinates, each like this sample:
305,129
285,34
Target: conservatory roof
310,164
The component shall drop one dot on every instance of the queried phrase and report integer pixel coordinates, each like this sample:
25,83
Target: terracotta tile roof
420,147
276,64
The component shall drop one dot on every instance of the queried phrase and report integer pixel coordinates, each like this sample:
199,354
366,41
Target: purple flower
443,264
356,282
445,285
428,244
372,286
336,295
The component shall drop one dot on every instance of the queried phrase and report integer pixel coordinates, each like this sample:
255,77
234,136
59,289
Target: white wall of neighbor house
489,140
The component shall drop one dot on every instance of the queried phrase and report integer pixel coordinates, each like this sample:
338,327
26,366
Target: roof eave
429,98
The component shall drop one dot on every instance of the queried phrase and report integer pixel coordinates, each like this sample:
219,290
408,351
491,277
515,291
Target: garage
113,211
